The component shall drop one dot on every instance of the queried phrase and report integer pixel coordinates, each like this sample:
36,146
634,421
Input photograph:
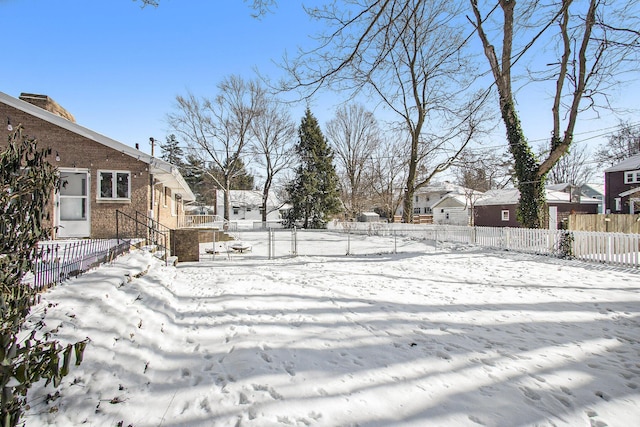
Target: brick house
98,175
622,187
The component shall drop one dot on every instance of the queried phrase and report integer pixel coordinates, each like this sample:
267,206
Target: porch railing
140,226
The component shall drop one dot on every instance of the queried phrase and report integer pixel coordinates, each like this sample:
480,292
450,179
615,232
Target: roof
630,192
460,199
441,187
510,196
558,187
596,188
164,171
629,164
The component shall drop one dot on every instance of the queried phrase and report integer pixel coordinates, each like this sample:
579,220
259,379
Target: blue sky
118,67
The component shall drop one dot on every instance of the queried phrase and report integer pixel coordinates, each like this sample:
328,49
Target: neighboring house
98,175
444,202
426,197
497,208
247,205
622,187
593,191
452,209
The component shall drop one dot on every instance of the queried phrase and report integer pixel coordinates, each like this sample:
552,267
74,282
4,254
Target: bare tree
354,134
593,42
480,171
217,130
575,167
620,145
387,173
274,132
407,53
260,7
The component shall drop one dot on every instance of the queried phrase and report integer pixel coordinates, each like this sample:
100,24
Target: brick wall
186,244
76,151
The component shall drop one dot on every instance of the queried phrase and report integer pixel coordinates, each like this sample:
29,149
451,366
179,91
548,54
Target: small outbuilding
368,217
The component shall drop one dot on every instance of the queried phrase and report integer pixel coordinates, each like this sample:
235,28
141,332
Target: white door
72,207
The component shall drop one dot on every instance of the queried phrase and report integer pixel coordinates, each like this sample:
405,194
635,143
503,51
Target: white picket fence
610,248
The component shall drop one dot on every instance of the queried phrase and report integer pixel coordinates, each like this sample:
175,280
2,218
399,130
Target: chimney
46,103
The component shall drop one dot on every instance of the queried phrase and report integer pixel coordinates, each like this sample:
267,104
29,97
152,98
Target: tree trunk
530,183
409,191
265,197
227,198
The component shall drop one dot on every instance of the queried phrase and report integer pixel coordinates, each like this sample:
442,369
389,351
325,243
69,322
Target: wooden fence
616,223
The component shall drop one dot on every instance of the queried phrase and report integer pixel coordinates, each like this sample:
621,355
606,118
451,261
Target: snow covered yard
447,337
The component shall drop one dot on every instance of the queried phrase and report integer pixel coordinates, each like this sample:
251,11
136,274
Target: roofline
629,192
623,165
156,165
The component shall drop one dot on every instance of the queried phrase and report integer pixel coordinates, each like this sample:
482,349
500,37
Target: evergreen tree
313,193
198,176
241,178
172,153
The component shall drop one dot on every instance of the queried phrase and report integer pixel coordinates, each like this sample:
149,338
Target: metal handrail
150,227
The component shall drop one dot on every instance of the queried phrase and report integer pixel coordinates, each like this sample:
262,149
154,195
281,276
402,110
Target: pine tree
172,152
241,179
314,193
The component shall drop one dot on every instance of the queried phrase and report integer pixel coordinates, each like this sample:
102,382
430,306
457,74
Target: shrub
28,182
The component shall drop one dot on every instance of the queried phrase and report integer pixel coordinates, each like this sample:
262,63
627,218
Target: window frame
114,188
632,177
504,214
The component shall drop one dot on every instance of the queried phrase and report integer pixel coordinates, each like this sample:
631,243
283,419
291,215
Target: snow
442,336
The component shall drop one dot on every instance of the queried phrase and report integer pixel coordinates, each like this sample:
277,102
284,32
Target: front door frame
75,228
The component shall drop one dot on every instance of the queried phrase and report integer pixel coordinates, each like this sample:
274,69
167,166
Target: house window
114,185
236,210
416,211
632,177
618,201
505,215
417,199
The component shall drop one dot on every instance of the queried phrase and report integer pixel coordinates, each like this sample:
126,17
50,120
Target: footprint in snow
443,355
289,367
531,394
476,420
